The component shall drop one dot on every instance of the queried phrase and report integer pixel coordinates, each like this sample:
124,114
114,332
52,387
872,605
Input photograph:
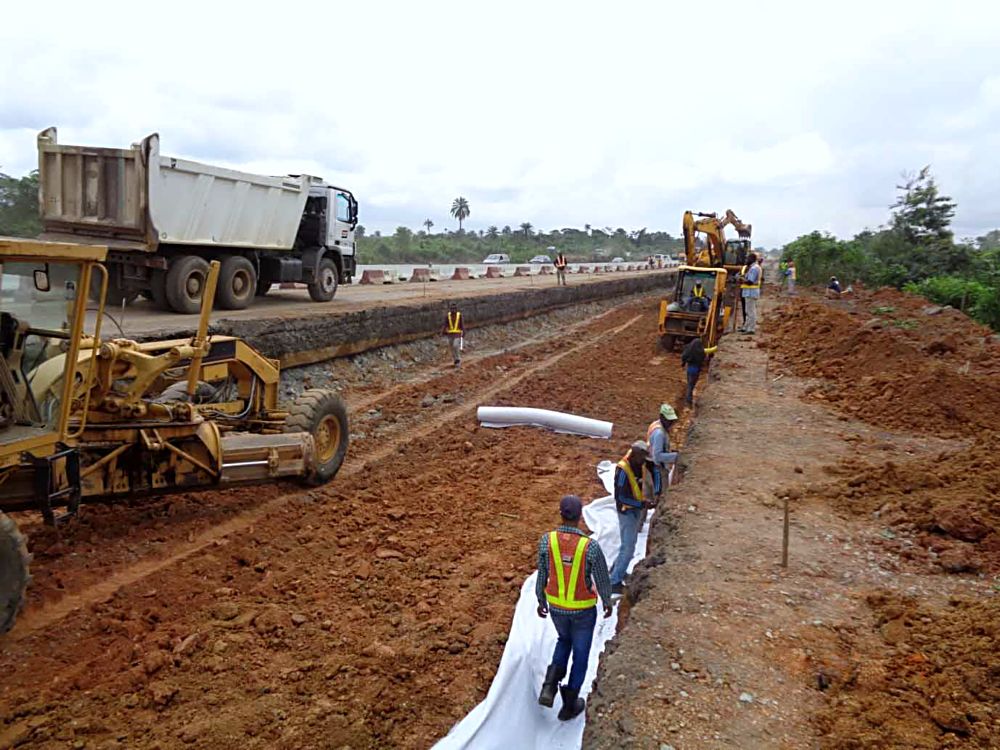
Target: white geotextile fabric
510,716
557,421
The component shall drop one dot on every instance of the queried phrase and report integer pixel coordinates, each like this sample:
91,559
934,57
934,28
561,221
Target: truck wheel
185,283
323,415
325,285
14,576
237,283
668,342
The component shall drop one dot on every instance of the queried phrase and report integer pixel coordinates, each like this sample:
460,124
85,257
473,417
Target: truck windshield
36,307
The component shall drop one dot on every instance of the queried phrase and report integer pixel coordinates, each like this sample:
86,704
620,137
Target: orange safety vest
567,584
455,325
653,427
560,261
636,487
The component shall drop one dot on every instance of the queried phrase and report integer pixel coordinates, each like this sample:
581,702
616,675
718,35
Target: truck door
345,219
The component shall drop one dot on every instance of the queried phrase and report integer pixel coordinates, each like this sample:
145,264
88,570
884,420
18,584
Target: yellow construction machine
85,417
715,261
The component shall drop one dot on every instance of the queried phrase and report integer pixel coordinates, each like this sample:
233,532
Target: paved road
142,317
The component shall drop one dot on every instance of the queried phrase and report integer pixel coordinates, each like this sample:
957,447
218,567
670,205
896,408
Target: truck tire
325,286
185,283
14,576
237,283
667,340
323,415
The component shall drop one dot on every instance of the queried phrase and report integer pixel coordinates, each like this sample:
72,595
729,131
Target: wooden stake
784,539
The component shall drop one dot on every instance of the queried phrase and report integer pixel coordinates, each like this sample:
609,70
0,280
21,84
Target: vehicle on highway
163,219
496,259
541,259
618,259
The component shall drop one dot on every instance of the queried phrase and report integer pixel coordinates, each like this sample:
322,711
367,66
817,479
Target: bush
980,301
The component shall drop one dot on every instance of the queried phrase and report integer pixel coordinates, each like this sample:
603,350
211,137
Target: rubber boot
552,676
573,705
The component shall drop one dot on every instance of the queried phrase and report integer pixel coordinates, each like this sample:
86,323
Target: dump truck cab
697,307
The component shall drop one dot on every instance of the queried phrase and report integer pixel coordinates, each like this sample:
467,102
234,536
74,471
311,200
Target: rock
932,310
508,576
448,398
894,631
961,558
961,523
326,625
364,570
270,619
387,553
396,514
665,746
260,567
299,619
950,718
674,666
456,647
189,645
162,694
226,611
468,446
154,661
427,401
746,697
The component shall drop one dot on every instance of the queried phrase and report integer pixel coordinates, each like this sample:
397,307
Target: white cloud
559,113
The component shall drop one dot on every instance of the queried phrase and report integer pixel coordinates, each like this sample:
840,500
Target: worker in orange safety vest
572,572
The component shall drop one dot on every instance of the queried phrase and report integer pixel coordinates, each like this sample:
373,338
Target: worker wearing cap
629,502
455,332
572,572
659,448
750,280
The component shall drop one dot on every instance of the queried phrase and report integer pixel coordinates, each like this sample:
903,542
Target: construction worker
750,292
629,502
699,299
658,437
455,332
561,265
570,567
693,359
792,275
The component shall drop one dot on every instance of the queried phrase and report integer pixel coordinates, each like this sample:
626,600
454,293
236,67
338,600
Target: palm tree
460,210
492,232
506,231
526,228
428,223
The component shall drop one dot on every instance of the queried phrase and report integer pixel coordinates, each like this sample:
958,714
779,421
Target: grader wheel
14,576
323,415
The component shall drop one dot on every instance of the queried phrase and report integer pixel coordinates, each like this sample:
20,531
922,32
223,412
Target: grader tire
14,576
667,341
323,415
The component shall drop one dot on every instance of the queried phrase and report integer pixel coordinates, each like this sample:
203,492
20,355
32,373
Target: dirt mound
944,507
937,375
936,684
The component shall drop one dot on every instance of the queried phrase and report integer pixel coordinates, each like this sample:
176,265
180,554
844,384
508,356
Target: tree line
916,252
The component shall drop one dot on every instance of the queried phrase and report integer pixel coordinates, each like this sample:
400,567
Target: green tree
19,205
506,231
526,228
920,212
428,223
460,210
492,232
359,231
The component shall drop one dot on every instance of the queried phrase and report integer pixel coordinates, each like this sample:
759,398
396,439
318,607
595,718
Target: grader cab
85,417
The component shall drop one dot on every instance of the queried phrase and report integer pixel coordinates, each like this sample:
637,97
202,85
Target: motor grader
84,417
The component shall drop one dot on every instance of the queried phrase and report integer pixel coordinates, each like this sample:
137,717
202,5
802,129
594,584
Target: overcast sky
561,114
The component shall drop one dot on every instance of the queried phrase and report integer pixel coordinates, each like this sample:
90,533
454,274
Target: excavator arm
712,229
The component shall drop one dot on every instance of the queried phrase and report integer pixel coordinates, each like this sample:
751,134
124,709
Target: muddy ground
875,418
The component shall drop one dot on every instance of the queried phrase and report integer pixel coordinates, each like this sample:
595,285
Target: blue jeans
693,373
575,631
628,529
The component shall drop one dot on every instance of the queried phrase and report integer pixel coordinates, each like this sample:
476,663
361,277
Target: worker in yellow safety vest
455,332
699,299
630,502
572,572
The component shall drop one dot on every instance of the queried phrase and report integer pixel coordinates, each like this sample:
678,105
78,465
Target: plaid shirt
595,572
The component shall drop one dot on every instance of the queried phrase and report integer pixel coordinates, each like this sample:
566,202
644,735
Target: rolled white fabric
511,416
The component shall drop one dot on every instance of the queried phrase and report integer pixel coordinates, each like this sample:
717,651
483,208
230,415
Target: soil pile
947,504
937,684
933,375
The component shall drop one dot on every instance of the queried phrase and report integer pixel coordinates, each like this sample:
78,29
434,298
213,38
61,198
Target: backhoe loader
707,252
83,417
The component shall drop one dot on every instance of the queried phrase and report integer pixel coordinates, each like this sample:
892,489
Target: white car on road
496,259
541,259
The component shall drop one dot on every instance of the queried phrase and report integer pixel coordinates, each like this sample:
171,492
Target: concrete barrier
373,276
522,271
546,271
583,269
461,274
423,274
493,272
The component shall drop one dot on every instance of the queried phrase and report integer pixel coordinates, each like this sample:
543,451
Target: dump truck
83,417
164,219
